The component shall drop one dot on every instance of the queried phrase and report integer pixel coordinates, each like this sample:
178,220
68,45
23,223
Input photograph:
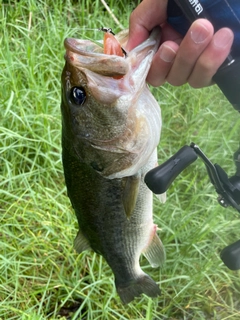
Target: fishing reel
228,80
160,178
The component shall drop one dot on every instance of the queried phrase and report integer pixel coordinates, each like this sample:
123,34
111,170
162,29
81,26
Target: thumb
147,15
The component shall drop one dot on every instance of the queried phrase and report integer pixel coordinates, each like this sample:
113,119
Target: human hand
193,59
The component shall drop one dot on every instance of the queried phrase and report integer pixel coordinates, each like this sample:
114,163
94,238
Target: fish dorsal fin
130,193
155,252
81,243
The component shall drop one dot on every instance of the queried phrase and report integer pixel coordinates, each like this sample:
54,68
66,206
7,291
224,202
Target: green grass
41,276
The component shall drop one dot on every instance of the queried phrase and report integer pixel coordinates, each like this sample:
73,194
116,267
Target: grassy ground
41,276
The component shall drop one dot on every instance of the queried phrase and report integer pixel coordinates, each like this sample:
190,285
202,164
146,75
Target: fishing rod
227,78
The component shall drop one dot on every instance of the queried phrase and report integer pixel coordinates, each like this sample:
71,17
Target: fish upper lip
73,45
69,43
88,55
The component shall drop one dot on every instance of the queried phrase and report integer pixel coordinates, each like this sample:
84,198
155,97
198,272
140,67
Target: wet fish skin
108,144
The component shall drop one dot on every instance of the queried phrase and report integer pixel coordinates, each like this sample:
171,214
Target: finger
147,15
164,57
212,58
162,63
196,40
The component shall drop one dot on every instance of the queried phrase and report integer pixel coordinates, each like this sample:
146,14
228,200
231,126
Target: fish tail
142,284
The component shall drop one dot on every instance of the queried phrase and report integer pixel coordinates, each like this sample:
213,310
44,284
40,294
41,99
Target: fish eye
78,95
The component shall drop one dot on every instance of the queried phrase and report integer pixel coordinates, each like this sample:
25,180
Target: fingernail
167,54
199,32
222,38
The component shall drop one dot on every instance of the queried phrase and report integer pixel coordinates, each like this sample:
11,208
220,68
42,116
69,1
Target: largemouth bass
111,127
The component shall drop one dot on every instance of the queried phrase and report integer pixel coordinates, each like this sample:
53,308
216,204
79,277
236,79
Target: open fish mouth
88,55
111,59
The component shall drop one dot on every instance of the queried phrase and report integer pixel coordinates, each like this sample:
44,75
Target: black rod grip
160,178
228,80
192,10
228,75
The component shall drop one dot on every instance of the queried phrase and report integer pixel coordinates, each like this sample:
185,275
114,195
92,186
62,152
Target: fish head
110,120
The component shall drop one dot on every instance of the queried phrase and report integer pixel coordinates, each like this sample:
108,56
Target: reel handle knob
160,178
231,256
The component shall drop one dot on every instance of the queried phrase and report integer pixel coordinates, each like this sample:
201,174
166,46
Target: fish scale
111,126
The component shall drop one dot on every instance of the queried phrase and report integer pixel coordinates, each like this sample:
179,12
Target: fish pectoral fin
155,252
81,243
162,197
130,193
